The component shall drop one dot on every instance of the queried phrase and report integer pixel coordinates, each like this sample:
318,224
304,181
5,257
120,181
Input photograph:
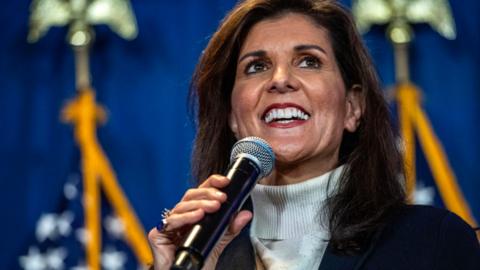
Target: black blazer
416,238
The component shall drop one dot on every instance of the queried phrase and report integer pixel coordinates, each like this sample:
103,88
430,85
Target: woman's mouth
284,114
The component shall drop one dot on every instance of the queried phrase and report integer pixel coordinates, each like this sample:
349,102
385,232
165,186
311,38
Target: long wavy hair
370,187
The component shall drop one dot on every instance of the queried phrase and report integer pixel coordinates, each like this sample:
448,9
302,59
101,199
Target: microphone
251,159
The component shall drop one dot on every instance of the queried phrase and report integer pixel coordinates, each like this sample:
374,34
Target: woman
296,74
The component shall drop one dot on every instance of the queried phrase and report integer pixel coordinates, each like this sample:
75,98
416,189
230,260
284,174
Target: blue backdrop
144,83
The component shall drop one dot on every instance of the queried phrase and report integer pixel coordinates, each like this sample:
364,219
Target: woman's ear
354,103
232,123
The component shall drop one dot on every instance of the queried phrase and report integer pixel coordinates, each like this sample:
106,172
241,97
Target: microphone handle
203,236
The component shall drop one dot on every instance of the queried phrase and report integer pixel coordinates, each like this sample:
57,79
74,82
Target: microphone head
259,149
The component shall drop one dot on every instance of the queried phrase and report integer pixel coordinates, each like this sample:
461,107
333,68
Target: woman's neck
292,174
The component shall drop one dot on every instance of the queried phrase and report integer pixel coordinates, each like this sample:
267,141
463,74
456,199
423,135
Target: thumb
236,225
239,222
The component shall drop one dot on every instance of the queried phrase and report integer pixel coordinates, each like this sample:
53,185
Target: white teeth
293,112
285,115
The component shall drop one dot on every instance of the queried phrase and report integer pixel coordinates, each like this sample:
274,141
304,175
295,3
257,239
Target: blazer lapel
333,261
239,255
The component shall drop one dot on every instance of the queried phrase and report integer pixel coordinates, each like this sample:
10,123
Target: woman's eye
309,62
255,67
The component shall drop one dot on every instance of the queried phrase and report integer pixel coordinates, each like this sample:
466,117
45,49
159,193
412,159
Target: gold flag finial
400,13
117,14
80,15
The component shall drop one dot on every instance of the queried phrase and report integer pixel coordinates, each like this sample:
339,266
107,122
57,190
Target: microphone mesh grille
258,148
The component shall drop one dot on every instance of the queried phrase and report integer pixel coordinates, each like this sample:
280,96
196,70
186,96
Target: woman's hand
196,202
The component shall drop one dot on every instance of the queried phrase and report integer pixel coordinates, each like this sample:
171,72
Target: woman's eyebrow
298,48
304,47
259,53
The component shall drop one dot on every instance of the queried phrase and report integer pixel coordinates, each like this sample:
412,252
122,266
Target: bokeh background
148,137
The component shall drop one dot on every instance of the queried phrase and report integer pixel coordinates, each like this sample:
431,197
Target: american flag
59,238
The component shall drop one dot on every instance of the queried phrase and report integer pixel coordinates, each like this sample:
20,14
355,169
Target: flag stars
70,189
424,195
54,258
82,236
34,260
64,223
46,228
112,259
51,226
114,226
79,267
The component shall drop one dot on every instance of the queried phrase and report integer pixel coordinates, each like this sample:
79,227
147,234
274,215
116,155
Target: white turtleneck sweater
287,229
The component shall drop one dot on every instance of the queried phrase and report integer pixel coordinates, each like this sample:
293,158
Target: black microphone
251,159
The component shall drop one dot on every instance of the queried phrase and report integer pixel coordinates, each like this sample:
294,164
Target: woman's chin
288,150
287,159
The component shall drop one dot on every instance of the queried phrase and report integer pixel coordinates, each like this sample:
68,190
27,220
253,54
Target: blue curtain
148,137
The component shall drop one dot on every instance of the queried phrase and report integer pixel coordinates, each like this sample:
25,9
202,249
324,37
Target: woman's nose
282,80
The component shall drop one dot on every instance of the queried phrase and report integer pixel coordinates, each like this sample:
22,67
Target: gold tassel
84,113
413,118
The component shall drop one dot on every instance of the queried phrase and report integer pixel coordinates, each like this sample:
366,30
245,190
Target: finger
215,180
239,222
204,193
176,221
209,206
157,239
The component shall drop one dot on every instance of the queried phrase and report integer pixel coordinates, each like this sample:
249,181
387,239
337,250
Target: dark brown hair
370,187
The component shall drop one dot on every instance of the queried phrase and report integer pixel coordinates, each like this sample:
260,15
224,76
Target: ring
175,236
162,226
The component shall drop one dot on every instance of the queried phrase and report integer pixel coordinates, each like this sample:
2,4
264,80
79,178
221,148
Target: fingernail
219,194
225,178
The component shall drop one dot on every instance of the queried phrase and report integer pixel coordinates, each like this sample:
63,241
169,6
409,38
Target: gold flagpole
84,113
399,14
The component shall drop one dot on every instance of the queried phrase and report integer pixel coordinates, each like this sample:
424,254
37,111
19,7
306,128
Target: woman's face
289,91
